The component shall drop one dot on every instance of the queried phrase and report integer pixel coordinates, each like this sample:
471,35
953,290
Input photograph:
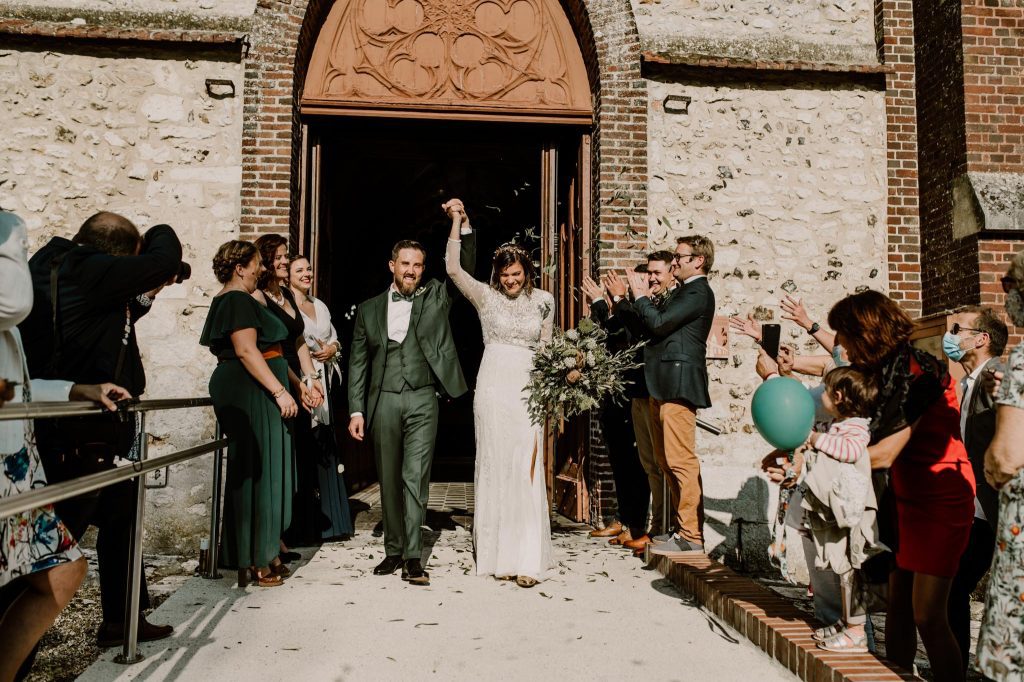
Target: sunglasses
1009,284
956,329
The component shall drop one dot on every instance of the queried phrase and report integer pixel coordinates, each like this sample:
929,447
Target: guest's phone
770,336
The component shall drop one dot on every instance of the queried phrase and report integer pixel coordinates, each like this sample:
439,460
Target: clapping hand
614,284
794,311
747,326
638,283
592,289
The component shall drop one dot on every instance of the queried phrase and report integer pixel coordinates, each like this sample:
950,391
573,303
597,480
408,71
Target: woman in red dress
915,436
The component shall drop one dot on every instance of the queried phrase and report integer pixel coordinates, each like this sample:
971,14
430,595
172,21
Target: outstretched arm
455,261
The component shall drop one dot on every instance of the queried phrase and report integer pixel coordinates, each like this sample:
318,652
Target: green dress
259,482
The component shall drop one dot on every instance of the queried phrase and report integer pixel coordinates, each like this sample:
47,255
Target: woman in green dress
250,398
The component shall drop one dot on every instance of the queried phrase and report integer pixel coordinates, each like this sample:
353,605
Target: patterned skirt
1001,643
34,540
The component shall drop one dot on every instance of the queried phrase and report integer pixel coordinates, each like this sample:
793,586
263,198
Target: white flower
591,360
569,363
572,335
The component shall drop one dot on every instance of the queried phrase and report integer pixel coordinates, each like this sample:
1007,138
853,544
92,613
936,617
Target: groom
402,355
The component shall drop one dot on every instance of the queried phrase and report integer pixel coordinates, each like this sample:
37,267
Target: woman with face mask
1001,644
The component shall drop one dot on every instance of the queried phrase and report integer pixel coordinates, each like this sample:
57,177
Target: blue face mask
951,347
837,356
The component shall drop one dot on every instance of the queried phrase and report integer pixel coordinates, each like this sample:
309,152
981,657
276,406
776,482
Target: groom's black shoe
388,566
413,572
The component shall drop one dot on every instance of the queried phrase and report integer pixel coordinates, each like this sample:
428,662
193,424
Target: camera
184,272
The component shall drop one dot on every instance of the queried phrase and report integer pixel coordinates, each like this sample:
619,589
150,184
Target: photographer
89,293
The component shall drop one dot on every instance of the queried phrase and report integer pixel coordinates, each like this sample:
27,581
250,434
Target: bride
511,526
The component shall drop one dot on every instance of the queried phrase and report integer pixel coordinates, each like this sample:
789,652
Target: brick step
773,624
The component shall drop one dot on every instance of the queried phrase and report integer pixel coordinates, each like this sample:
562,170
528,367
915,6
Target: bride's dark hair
509,254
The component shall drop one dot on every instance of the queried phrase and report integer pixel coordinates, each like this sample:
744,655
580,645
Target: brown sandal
245,575
525,581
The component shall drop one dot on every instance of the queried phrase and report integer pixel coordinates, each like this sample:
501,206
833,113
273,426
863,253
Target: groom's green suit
394,385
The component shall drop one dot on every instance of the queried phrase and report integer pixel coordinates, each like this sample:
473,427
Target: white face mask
1015,306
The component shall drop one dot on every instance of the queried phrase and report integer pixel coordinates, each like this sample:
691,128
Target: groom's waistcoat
406,366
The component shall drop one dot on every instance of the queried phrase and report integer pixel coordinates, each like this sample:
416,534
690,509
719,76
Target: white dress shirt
399,313
967,385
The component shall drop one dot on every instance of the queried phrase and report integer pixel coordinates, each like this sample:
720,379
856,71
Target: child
838,499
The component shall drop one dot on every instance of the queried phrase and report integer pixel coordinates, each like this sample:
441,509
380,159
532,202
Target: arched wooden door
504,78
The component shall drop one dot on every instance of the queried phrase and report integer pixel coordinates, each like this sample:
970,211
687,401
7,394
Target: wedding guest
976,340
325,351
660,279
41,565
251,401
915,435
273,292
1001,643
677,377
632,490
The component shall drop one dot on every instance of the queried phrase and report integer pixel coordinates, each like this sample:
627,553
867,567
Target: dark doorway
385,181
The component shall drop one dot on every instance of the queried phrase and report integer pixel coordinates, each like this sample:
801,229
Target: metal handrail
82,408
57,492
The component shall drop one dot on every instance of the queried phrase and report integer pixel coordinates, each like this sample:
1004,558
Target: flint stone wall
789,182
138,136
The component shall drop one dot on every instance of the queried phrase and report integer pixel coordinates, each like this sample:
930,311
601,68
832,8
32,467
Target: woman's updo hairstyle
268,245
510,254
231,254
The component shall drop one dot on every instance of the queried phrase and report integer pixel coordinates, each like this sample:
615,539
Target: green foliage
574,373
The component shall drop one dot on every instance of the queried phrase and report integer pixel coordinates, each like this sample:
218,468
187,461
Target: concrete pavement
599,616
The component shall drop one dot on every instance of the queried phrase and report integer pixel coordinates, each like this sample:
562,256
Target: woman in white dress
511,524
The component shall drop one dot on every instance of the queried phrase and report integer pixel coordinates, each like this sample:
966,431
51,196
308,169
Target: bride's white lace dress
511,526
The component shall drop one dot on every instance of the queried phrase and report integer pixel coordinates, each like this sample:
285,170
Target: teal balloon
783,412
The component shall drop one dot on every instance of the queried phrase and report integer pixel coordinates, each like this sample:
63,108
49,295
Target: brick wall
894,30
949,275
993,82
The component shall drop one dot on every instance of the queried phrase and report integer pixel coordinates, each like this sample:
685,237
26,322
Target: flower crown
513,249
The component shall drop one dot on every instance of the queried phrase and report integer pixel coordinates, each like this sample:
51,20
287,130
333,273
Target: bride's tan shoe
525,581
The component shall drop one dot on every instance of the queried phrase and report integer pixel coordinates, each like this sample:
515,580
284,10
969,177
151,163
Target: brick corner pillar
894,31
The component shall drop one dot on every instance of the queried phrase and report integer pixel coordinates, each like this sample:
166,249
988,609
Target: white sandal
843,643
827,632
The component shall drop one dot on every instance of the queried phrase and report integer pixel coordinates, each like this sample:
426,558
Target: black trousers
976,560
631,485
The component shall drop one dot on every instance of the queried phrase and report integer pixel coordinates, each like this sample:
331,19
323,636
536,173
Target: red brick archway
283,36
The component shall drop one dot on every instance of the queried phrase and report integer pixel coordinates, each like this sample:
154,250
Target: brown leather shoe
638,543
622,538
608,531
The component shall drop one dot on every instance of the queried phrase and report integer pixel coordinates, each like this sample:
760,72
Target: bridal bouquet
574,373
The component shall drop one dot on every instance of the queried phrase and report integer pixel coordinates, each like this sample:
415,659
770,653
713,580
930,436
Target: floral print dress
1001,644
34,540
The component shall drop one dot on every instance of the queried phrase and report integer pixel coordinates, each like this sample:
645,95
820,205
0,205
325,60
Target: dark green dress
259,482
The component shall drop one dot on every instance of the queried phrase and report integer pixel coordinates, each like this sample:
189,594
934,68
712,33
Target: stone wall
823,31
789,182
135,133
198,7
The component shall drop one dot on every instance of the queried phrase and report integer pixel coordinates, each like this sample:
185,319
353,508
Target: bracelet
278,393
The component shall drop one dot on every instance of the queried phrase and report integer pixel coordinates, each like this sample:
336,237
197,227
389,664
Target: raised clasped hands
638,283
456,210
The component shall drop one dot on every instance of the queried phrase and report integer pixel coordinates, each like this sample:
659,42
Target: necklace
278,299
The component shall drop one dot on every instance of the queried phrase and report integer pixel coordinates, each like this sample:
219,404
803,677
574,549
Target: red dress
932,479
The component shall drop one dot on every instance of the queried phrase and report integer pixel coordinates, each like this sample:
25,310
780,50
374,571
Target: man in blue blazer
675,367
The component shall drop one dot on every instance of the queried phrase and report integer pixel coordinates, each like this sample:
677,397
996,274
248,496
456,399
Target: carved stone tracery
474,54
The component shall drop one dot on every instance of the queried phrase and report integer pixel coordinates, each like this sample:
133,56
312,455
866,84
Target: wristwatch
814,329
616,299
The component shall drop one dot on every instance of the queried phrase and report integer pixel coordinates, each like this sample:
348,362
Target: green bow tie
398,296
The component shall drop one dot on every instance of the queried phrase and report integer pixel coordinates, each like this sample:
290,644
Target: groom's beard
406,286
